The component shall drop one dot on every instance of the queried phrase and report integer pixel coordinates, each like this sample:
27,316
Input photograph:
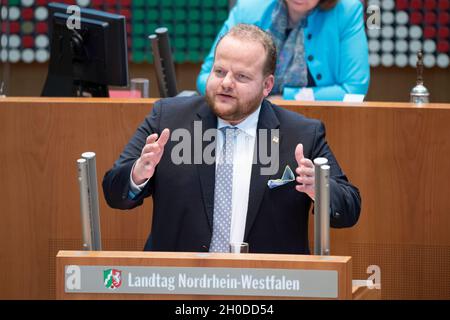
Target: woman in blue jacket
321,45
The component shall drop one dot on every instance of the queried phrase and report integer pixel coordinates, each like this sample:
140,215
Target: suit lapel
258,183
207,171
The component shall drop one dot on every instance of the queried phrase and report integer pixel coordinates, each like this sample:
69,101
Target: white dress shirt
242,170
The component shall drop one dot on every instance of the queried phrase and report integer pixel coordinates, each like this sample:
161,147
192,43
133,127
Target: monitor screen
86,59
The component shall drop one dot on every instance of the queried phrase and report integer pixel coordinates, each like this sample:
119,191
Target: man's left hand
305,171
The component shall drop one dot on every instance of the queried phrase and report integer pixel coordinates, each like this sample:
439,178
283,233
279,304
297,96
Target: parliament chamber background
393,151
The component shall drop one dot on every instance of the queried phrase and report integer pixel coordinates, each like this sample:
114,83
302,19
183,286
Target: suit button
310,58
319,76
309,36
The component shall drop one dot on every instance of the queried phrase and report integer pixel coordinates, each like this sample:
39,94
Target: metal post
318,204
93,200
84,204
325,210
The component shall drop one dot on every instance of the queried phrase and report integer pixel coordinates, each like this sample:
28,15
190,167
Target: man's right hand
150,156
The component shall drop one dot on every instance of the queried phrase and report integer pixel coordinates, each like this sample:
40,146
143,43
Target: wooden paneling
40,143
395,153
395,84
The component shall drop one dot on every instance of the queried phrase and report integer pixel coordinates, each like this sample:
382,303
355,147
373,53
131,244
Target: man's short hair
251,32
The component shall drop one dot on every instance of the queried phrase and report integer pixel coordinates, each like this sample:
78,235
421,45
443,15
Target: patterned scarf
291,67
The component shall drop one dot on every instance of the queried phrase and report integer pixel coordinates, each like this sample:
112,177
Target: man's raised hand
150,156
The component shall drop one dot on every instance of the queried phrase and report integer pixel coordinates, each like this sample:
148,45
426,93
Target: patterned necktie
223,192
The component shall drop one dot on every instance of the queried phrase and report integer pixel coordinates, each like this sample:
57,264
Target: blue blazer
183,195
336,49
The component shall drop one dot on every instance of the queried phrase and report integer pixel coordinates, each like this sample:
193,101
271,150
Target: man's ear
268,85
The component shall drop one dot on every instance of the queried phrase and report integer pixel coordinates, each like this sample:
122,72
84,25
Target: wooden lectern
185,275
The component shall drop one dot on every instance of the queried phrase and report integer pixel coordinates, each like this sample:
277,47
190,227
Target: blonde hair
251,32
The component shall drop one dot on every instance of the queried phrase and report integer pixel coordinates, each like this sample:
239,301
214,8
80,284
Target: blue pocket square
287,177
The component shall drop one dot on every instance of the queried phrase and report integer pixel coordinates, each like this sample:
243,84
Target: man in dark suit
204,205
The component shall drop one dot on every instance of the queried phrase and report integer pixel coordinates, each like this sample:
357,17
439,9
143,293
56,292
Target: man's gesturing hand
305,171
150,156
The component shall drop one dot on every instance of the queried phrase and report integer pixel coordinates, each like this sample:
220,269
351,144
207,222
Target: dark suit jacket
183,195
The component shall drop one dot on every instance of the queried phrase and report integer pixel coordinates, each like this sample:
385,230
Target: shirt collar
248,125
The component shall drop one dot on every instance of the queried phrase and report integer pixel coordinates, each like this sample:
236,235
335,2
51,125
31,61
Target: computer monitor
85,60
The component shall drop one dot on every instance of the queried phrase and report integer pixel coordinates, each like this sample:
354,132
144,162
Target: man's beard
240,112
